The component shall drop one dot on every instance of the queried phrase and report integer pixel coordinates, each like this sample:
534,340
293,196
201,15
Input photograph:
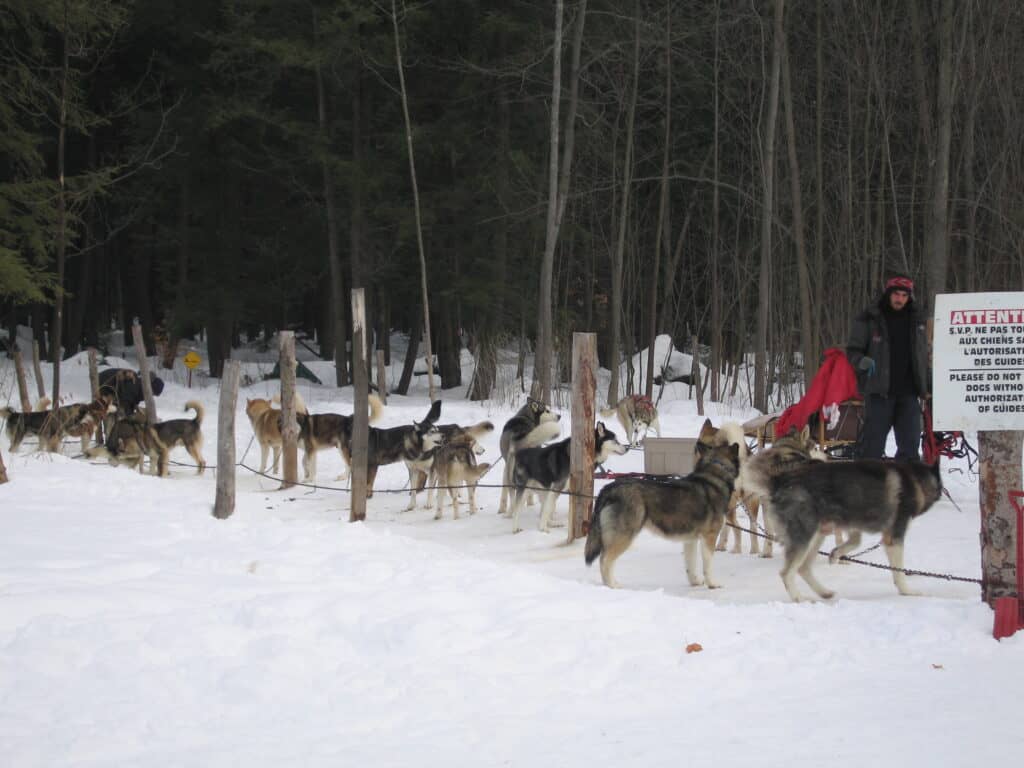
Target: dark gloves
867,364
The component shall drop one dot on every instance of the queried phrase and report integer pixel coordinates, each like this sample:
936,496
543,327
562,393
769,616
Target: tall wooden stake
19,373
360,405
224,503
999,461
382,377
581,451
147,385
289,426
40,386
94,375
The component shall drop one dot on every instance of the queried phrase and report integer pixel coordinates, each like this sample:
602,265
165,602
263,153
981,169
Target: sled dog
408,443
74,420
546,469
534,424
637,414
691,508
454,464
266,425
130,441
871,495
319,431
186,432
754,485
452,435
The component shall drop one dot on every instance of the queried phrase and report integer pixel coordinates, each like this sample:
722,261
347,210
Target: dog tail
300,404
479,430
594,543
196,406
41,404
6,413
376,408
606,412
542,433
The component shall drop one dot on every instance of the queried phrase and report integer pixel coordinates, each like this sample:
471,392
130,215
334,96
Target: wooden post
147,385
224,503
581,451
999,462
360,405
695,375
382,377
94,375
40,386
289,426
19,372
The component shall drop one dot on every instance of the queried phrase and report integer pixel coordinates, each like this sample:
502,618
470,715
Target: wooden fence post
581,447
147,385
360,405
999,472
40,386
19,373
224,503
382,377
94,376
289,425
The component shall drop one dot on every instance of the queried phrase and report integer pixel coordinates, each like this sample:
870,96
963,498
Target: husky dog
871,495
266,425
318,431
452,435
547,469
691,508
74,420
187,432
130,441
454,464
534,424
408,443
637,415
755,482
731,432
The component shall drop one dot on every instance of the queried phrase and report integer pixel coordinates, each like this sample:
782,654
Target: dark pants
901,414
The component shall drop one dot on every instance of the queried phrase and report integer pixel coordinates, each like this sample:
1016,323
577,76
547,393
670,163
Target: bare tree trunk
581,472
661,232
177,328
558,192
339,306
410,355
807,339
289,426
416,204
716,290
3,470
767,207
37,369
615,317
819,172
147,385
62,216
938,263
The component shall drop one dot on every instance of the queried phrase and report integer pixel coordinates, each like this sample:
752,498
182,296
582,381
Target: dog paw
713,585
766,555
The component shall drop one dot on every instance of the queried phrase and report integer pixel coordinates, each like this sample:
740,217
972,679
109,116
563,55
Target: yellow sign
191,360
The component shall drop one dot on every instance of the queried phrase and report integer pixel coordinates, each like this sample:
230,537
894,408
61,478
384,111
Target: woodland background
743,172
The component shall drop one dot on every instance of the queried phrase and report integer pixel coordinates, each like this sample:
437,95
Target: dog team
804,497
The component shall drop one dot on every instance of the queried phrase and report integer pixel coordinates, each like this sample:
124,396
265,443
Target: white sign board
978,361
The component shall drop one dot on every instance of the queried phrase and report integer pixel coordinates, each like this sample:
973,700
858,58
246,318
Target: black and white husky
534,424
546,469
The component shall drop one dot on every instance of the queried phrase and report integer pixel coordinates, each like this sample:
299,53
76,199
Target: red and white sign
978,361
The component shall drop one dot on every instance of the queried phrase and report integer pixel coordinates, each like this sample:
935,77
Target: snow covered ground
137,630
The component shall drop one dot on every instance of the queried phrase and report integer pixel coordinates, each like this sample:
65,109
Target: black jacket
126,386
870,337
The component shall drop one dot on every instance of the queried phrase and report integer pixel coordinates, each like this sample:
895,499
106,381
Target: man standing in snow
888,348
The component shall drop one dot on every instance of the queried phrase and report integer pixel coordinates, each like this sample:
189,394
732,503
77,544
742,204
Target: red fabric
901,283
834,383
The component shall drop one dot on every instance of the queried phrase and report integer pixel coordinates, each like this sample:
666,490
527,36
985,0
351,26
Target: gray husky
812,501
691,508
534,424
546,469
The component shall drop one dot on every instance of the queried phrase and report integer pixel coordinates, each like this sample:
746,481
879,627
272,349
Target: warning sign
978,361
